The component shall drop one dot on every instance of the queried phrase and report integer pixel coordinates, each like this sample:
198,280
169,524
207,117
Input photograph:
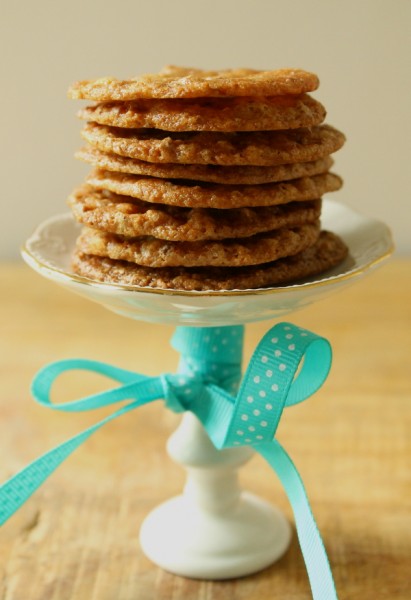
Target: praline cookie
210,173
327,252
261,148
152,252
183,82
213,195
210,114
130,217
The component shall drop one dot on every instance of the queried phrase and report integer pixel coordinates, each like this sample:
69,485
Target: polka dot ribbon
288,365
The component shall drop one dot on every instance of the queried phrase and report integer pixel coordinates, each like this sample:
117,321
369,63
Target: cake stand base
182,538
214,529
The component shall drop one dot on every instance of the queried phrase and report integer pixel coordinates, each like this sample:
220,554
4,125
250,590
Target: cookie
260,148
152,252
182,82
213,195
210,114
129,217
327,252
210,173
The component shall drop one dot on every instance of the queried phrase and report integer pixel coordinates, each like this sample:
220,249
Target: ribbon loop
313,368
46,377
271,381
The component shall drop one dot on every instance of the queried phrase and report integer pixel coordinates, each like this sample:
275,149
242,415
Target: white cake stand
213,530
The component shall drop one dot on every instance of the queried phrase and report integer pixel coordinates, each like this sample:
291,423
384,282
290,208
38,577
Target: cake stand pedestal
214,530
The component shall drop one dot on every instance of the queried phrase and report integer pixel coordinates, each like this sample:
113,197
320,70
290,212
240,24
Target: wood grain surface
77,537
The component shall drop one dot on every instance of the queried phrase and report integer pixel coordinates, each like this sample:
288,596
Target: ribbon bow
288,365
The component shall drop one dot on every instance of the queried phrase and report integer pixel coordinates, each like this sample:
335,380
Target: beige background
358,47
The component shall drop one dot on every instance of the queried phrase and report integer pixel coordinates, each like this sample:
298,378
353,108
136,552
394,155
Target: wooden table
77,537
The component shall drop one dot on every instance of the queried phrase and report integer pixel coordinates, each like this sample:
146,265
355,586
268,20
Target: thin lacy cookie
327,252
130,217
152,252
182,82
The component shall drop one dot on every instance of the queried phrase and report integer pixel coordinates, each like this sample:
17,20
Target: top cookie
182,82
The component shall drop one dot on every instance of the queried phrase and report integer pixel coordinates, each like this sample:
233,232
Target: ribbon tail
312,547
19,488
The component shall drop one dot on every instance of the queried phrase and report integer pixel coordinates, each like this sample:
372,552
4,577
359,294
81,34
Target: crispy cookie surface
129,217
213,195
260,148
210,173
183,82
210,114
152,252
327,252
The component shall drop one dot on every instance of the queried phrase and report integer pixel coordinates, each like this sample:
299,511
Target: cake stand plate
49,249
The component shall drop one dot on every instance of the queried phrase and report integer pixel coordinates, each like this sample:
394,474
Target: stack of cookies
205,180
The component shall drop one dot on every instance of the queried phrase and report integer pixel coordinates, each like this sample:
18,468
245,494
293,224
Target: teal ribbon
288,365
